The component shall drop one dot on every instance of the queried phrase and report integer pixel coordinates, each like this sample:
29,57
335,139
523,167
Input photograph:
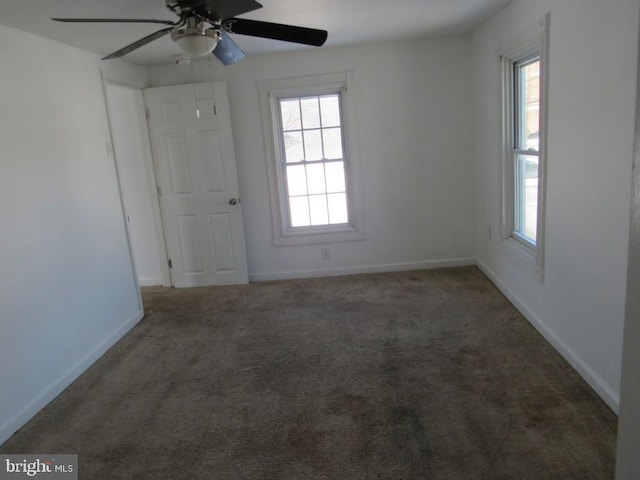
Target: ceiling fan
204,26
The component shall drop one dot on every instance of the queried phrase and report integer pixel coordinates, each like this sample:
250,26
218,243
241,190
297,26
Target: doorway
136,175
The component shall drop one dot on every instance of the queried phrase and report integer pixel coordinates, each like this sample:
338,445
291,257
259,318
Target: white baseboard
596,382
53,390
339,271
150,282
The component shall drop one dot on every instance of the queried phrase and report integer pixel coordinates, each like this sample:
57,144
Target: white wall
67,290
414,105
593,55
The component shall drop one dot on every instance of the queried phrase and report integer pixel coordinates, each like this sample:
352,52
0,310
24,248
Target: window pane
314,167
330,108
527,196
318,208
290,112
296,180
334,172
310,112
293,147
313,145
315,178
299,208
528,105
332,140
338,208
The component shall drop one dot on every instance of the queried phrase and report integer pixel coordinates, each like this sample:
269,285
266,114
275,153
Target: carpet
414,375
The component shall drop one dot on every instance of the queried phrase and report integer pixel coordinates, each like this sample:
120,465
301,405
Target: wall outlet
324,253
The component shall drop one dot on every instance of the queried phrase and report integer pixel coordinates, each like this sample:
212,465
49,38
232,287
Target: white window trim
534,41
270,91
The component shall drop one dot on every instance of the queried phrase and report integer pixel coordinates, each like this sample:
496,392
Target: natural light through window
312,143
526,146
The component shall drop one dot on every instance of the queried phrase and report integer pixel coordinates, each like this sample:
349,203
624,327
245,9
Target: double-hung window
309,129
526,147
311,139
524,87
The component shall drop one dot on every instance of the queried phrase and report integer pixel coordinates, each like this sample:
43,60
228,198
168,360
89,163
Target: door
192,142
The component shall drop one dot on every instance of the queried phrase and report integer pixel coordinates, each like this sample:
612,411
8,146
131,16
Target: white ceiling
348,22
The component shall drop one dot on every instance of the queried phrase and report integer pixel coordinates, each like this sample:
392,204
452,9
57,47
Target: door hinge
159,190
170,263
215,110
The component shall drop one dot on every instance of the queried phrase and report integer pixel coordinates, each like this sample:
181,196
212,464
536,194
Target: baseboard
150,282
53,390
611,398
339,271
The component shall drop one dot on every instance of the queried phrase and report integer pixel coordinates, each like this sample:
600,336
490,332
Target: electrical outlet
324,253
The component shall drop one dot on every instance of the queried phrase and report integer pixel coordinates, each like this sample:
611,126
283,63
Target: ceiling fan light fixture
196,42
204,27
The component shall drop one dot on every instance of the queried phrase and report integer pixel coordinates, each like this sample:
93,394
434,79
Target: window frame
271,92
533,44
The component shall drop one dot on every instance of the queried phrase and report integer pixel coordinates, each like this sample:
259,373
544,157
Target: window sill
524,255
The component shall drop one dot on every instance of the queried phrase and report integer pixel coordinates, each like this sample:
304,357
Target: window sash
523,184
520,112
337,214
310,221
525,208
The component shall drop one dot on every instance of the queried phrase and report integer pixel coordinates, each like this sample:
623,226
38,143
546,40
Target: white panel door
196,170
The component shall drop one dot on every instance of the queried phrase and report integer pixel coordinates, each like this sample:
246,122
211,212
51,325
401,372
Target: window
524,141
310,131
310,134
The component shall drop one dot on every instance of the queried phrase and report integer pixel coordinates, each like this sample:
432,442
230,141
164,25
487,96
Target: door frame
627,459
150,173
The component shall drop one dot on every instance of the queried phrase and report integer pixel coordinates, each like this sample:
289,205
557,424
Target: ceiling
348,22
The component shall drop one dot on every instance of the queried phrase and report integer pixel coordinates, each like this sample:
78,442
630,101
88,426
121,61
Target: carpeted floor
416,375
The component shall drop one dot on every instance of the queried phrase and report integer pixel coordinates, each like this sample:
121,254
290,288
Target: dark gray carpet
417,375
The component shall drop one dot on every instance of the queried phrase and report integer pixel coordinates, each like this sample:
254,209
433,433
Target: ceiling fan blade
228,51
137,44
276,31
112,20
219,10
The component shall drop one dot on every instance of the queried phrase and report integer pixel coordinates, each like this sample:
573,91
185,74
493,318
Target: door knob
233,201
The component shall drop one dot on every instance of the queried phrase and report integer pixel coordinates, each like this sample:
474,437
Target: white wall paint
67,290
593,52
414,105
132,149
